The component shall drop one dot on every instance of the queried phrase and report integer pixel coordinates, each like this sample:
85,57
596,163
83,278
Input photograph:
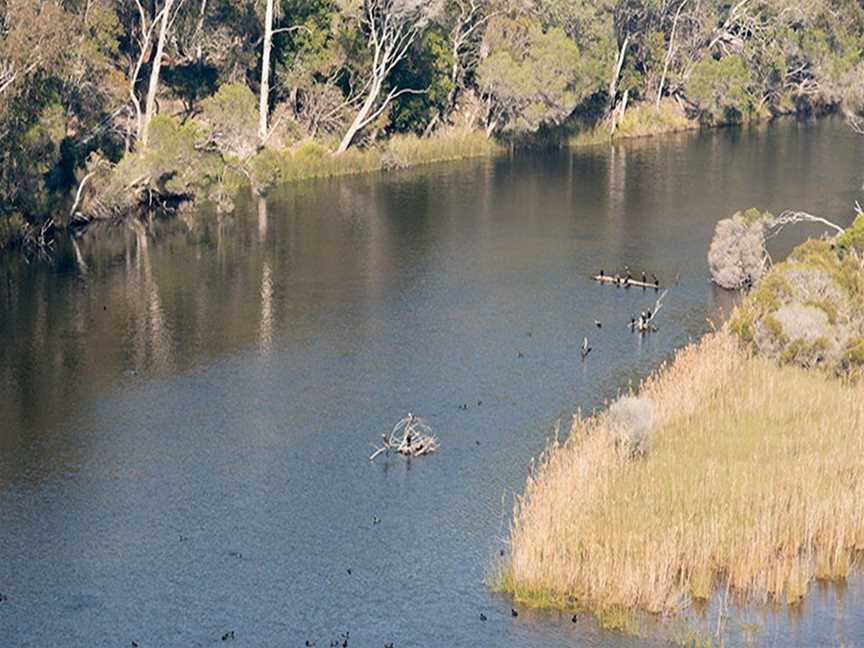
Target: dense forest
108,105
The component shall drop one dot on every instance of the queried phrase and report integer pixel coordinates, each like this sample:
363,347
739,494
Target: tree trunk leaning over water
150,106
391,27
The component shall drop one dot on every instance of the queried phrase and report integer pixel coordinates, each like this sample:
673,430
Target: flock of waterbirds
412,435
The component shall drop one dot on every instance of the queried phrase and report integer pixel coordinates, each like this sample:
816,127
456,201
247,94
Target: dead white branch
410,437
645,322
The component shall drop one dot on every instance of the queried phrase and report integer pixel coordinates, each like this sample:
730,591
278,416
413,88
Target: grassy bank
312,159
752,480
641,120
646,120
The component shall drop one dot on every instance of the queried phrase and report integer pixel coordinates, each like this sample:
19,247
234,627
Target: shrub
853,237
631,420
808,310
737,255
721,89
232,117
11,229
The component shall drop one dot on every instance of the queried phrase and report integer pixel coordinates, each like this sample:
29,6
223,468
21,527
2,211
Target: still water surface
185,414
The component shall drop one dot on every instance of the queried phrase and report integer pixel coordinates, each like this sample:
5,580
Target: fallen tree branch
410,437
790,217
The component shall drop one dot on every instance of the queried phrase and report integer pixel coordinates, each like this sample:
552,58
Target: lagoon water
186,413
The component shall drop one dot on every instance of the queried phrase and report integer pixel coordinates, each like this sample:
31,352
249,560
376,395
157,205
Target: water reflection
220,378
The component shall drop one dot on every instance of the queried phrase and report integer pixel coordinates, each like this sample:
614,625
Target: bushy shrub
11,229
808,310
232,117
721,88
737,256
631,421
853,238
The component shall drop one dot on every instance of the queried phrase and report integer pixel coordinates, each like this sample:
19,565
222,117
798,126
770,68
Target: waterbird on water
513,613
598,323
585,350
482,617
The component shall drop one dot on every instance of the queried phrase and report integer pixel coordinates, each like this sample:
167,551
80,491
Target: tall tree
155,69
264,93
391,28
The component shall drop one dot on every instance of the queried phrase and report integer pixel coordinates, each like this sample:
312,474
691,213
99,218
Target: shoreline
715,501
272,168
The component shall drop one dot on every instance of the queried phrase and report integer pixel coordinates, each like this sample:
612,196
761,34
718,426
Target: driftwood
618,280
410,437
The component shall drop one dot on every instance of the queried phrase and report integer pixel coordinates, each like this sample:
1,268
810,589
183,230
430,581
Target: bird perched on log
585,350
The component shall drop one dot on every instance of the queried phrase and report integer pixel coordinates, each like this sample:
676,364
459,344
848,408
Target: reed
753,481
312,159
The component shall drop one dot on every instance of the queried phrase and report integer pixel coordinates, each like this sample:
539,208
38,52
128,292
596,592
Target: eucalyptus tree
164,18
531,78
390,27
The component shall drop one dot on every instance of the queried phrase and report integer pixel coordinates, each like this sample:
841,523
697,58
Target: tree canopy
85,78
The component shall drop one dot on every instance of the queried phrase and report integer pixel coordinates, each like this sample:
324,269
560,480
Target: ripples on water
185,414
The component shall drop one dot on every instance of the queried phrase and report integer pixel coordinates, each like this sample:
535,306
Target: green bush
232,117
721,89
808,310
853,237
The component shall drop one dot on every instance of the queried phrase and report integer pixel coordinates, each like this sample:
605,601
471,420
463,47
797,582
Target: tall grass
312,159
640,120
753,481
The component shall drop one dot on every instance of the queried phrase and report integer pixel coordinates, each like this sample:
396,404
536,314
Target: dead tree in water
645,322
410,437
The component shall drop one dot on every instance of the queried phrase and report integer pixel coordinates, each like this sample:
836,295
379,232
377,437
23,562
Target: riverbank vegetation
108,107
734,467
750,482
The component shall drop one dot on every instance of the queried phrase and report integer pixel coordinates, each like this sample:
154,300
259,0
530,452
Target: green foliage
232,116
808,310
536,72
853,237
722,89
191,82
11,229
534,78
427,69
176,164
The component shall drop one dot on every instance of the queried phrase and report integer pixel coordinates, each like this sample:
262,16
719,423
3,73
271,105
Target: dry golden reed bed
753,480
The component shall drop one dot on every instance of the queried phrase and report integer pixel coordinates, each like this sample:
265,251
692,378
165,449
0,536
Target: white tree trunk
613,85
264,95
669,53
360,117
150,105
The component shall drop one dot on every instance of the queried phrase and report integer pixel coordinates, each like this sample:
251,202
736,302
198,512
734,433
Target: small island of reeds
750,481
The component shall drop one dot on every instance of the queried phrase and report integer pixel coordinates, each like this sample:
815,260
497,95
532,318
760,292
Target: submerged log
624,281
